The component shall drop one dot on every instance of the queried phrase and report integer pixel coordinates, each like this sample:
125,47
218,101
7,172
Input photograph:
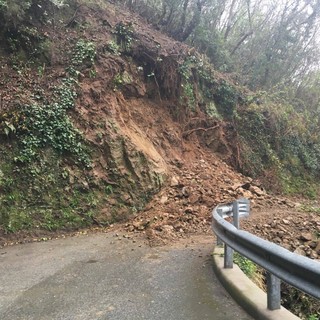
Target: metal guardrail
280,264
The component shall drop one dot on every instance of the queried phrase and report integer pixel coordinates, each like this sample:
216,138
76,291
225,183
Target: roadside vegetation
301,304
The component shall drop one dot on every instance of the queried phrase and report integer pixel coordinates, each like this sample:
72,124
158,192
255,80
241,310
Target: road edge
245,292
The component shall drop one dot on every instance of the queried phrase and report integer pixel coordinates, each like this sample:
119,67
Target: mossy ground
40,195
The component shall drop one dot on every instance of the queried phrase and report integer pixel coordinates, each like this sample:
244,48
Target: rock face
130,161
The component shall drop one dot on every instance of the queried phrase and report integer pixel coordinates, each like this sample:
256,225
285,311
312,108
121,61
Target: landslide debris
123,101
184,207
294,230
158,156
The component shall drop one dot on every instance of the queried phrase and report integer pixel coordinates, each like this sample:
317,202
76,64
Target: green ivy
185,70
84,53
124,34
49,125
226,97
113,48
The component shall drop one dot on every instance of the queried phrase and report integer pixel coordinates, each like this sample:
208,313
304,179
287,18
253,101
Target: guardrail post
228,257
228,252
273,292
237,208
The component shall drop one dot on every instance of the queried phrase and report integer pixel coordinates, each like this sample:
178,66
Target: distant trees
267,42
178,18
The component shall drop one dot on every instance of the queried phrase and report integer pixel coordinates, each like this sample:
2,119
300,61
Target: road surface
107,276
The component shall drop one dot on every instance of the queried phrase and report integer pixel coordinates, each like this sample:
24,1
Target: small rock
287,246
141,225
285,221
188,210
277,240
256,190
194,198
164,200
291,204
306,237
300,251
273,224
248,180
235,186
314,255
174,182
280,234
185,192
112,201
313,244
208,201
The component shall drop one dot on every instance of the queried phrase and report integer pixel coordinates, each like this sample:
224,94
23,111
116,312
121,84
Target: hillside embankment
105,120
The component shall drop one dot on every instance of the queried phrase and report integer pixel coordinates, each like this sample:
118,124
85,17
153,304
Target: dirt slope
163,163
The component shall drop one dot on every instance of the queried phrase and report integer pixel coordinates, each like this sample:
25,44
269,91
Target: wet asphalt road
100,277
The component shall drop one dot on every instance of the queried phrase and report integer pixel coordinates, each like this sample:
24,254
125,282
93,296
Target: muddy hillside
105,119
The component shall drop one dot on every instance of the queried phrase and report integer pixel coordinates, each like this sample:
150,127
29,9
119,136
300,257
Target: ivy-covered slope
97,107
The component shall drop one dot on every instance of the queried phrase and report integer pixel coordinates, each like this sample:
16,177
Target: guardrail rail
301,272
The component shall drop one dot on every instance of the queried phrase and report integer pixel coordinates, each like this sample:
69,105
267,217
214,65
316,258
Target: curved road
105,276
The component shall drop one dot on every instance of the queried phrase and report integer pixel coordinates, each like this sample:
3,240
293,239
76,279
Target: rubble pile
185,204
298,232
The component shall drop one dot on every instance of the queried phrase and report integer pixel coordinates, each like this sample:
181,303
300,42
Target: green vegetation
38,195
42,135
299,303
306,307
124,35
49,125
278,143
42,125
247,266
113,48
83,54
309,208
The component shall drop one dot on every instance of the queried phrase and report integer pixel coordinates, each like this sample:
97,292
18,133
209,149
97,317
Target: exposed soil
140,129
